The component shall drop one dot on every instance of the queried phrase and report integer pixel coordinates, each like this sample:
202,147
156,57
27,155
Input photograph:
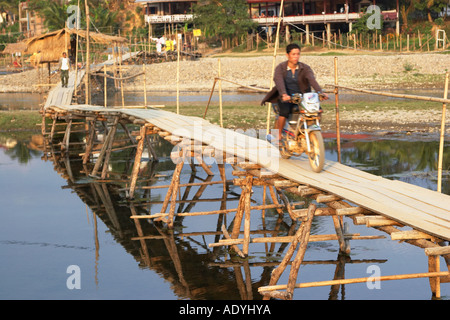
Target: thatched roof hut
13,48
50,46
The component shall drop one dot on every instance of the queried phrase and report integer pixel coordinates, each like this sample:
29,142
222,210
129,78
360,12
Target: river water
31,101
59,230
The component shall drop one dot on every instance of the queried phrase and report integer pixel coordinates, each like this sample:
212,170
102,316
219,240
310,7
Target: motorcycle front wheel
317,154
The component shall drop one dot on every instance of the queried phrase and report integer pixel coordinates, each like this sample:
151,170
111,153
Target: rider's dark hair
291,47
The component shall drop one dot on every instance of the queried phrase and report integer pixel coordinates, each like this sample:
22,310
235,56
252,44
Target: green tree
55,14
222,19
104,19
431,6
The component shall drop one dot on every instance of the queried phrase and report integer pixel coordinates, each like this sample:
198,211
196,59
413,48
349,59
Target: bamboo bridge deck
365,198
417,207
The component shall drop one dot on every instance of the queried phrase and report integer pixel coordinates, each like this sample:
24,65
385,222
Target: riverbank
375,71
400,117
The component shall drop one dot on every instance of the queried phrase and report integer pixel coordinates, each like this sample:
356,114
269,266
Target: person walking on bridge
64,66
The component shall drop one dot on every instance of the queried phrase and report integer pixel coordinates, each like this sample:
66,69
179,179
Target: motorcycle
302,132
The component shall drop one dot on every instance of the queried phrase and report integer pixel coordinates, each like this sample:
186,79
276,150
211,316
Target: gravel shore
361,71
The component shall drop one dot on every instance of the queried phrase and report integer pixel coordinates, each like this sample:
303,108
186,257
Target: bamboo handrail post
145,85
105,87
442,135
87,52
336,92
269,107
220,96
121,76
178,77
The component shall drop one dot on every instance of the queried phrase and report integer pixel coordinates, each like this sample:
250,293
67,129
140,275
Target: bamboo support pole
175,189
104,148
66,139
204,213
90,142
247,191
235,247
302,237
442,135
289,239
265,289
170,191
137,161
109,148
52,131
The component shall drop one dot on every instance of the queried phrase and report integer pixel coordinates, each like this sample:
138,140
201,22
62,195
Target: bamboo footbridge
406,212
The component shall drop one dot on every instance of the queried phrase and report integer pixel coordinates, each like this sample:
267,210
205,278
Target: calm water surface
52,218
31,101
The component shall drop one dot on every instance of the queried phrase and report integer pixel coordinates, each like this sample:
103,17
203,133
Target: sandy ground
388,122
362,71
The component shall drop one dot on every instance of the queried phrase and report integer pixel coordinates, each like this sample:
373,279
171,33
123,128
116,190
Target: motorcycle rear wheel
317,155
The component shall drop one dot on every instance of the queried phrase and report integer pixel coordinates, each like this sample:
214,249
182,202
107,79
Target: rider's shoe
273,140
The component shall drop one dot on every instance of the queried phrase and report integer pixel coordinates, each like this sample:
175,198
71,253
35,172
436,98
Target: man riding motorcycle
290,77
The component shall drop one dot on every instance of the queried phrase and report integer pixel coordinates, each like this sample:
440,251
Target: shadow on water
182,257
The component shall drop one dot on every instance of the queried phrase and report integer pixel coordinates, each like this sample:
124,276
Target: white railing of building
168,18
315,18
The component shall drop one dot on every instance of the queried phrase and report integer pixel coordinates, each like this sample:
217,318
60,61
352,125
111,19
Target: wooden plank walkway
422,209
63,96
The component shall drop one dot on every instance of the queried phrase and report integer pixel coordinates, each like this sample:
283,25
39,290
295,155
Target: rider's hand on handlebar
323,96
285,98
